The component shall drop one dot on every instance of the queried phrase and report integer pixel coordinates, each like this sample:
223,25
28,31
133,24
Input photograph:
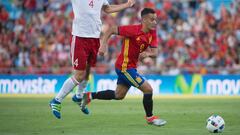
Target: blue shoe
56,108
78,101
85,100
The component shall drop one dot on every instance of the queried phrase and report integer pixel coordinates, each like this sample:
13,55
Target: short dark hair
146,11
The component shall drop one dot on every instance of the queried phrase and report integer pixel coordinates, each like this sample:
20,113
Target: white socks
81,88
67,87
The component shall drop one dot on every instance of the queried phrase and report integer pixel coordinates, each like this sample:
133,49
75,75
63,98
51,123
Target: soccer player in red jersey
85,43
137,39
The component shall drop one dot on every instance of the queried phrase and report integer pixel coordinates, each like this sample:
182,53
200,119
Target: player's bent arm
112,30
117,8
149,52
103,46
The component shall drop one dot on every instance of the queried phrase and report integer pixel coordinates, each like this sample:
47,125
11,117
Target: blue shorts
129,78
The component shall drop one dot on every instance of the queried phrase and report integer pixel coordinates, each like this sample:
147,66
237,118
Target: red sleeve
154,42
128,30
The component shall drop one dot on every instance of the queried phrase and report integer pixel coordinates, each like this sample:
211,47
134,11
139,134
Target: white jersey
87,18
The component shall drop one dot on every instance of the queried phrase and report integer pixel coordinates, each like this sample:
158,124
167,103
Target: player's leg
148,105
69,84
66,88
82,86
123,86
92,47
118,94
147,98
79,64
77,98
136,80
124,83
121,91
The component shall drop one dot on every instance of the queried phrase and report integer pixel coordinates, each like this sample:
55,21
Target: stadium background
199,54
199,36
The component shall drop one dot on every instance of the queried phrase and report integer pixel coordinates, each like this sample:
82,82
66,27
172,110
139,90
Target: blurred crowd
195,36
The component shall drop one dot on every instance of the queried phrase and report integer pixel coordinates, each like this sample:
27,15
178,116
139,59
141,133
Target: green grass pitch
185,116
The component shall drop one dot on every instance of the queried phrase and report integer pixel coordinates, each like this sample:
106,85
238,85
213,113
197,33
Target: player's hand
131,3
102,50
143,55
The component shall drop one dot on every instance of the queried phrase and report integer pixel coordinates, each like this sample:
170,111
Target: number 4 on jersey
91,3
75,63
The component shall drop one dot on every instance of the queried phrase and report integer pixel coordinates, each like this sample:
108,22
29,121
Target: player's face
151,21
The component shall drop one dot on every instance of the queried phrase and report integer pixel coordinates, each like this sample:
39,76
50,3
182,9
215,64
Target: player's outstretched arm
103,46
117,8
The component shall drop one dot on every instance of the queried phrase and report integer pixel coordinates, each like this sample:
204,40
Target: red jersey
135,41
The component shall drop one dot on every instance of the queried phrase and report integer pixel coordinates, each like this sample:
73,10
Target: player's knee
79,76
148,90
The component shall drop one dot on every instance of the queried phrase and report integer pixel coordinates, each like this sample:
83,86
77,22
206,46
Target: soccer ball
215,124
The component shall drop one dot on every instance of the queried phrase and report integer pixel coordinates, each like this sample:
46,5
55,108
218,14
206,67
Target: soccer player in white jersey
85,43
